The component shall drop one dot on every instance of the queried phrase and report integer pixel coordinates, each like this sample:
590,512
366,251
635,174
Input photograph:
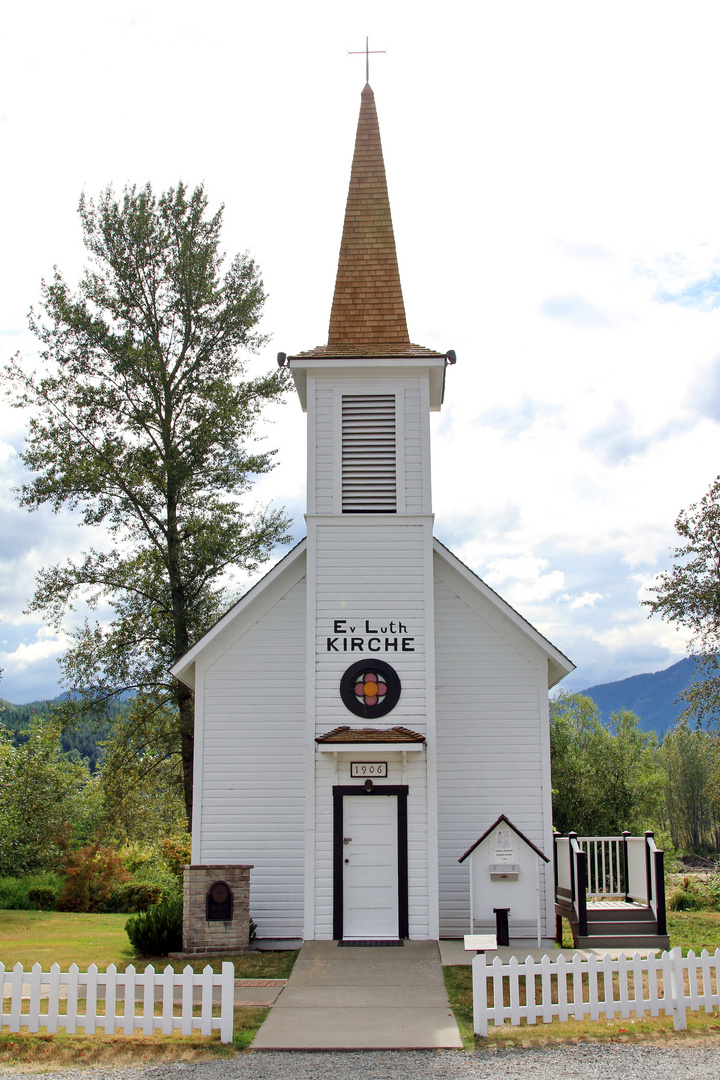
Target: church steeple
368,304
368,313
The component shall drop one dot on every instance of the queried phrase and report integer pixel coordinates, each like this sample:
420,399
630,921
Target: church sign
368,635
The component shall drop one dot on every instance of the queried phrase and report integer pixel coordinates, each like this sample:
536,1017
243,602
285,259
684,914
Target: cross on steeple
367,50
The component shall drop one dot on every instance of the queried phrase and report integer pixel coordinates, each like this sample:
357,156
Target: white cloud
27,655
567,444
523,578
575,310
587,599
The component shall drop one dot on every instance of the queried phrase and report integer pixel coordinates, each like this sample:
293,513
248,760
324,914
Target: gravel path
588,1061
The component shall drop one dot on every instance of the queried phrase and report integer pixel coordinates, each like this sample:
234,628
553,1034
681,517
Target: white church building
371,707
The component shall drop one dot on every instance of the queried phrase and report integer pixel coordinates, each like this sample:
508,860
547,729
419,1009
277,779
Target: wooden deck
615,905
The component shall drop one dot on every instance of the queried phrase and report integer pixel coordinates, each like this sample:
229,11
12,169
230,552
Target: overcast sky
554,177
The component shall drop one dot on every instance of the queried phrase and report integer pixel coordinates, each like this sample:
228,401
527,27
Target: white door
370,866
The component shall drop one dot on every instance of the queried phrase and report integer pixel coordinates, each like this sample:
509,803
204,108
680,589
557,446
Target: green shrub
43,897
14,891
693,892
683,900
14,895
157,931
134,896
176,851
92,873
712,888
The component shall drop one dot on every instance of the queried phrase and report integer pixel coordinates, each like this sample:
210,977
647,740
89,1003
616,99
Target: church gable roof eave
377,350
558,664
384,363
184,669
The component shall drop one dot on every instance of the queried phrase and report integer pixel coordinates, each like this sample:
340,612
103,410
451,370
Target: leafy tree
689,595
634,776
140,416
576,745
605,779
691,758
45,798
140,781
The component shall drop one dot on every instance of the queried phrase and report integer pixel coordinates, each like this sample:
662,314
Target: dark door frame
401,792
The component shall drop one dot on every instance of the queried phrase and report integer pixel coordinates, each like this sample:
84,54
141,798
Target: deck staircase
612,891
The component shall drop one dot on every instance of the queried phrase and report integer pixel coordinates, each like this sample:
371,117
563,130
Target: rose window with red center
370,689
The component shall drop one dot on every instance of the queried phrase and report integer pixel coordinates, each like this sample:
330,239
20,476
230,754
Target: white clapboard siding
374,572
488,745
418,898
415,463
253,748
325,450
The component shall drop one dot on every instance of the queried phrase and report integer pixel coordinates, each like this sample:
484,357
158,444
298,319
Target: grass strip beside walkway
49,937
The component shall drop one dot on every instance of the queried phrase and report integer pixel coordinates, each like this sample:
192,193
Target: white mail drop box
505,876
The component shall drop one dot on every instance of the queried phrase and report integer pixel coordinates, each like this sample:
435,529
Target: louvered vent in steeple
369,454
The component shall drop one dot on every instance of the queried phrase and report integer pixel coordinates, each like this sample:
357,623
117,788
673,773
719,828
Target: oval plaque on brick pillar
219,902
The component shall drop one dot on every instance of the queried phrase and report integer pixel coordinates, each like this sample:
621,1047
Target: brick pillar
201,936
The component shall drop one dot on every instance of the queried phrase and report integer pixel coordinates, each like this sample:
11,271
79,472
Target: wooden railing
626,867
571,876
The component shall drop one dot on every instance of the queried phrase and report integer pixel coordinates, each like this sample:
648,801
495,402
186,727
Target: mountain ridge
651,695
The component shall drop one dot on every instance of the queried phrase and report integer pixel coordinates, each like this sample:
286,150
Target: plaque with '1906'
368,768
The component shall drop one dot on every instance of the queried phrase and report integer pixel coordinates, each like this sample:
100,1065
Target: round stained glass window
370,688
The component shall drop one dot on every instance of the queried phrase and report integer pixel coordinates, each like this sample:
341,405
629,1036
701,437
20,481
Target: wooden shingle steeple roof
368,313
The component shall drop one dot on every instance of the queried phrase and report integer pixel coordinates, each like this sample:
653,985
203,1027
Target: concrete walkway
366,998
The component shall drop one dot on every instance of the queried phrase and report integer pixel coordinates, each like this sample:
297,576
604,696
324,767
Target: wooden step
630,914
628,943
628,928
610,928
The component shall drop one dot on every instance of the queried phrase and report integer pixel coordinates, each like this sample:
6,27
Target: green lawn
696,930
49,937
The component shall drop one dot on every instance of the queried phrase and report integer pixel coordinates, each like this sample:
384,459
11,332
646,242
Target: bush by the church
92,873
32,892
43,897
176,854
157,931
134,896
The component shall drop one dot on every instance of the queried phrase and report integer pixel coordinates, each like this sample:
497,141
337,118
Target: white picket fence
119,994
577,989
